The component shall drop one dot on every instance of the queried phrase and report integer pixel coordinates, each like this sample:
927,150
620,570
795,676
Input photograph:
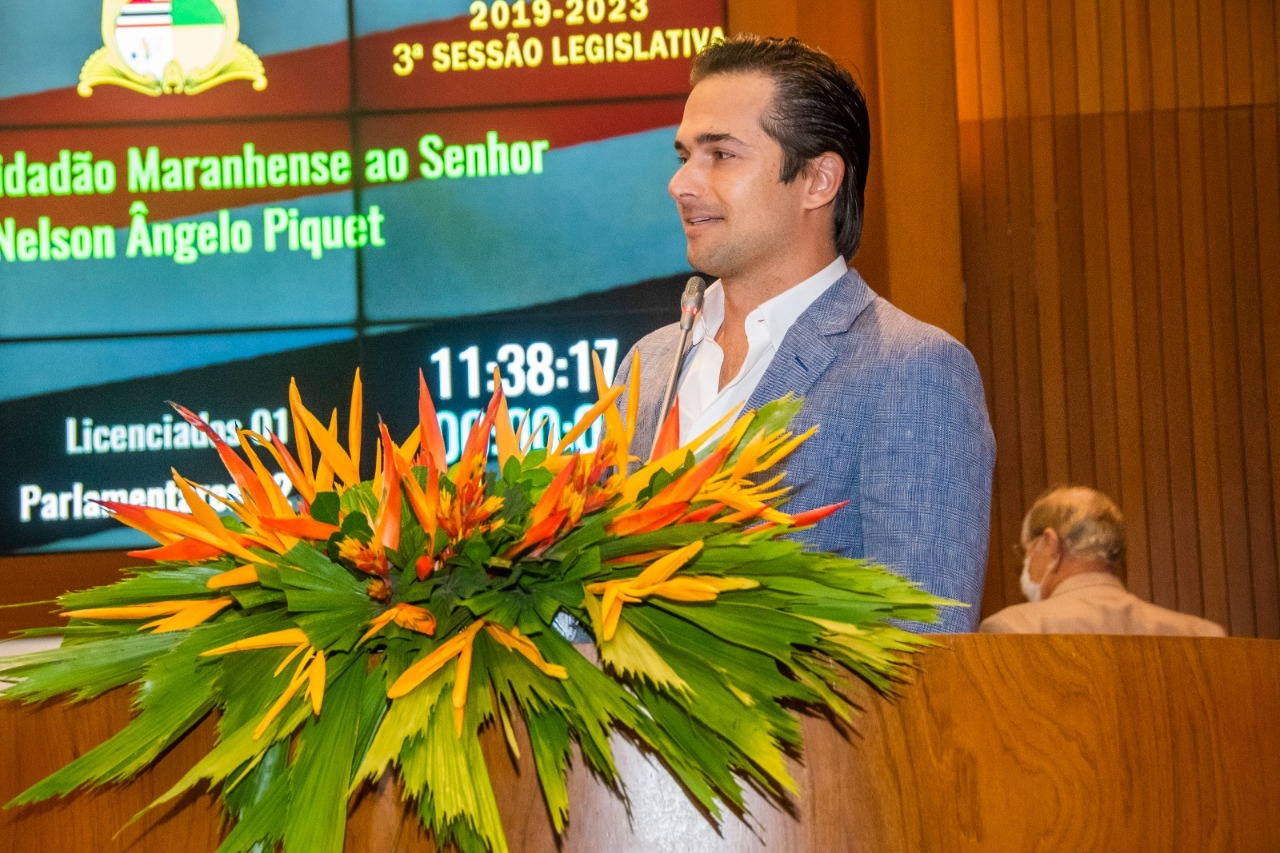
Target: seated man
1072,541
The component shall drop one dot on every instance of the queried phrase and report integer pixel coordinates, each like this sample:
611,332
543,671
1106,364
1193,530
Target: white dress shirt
702,400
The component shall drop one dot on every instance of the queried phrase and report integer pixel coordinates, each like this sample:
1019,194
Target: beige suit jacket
1096,603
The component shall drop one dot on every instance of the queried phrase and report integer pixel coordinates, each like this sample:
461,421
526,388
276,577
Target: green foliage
174,693
147,585
258,802
330,604
710,687
326,507
773,416
114,662
322,765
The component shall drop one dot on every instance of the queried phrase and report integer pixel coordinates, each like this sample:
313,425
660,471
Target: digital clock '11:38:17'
537,369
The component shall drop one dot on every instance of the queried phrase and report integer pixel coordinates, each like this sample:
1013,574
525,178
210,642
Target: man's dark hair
817,107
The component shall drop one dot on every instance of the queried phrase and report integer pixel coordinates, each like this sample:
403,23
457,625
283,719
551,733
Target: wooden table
1014,743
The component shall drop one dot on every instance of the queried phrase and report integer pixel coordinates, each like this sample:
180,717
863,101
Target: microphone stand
690,307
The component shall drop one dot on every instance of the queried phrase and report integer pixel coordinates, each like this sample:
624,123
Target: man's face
739,218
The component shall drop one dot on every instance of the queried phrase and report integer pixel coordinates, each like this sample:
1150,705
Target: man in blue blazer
774,146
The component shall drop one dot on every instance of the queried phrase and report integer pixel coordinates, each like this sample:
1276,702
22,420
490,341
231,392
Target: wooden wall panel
1155,573
766,19
32,582
1195,272
994,229
1146,131
918,161
1267,171
1226,377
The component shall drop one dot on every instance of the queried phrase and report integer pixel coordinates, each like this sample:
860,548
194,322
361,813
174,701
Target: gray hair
1088,523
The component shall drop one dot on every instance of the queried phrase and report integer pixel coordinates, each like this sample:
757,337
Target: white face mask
1030,589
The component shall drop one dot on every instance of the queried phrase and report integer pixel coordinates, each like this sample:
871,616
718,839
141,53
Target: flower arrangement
378,626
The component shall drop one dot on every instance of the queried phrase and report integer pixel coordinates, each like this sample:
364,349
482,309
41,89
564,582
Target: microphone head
691,301
694,289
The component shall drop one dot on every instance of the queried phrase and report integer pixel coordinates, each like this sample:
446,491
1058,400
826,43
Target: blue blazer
903,434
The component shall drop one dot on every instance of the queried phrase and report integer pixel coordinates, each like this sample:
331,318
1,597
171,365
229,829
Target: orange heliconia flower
363,558
270,521
407,616
459,646
175,615
310,670
657,580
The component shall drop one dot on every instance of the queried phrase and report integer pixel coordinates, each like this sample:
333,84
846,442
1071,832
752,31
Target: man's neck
1070,568
741,299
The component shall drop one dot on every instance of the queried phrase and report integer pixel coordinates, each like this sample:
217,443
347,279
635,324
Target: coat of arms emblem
170,46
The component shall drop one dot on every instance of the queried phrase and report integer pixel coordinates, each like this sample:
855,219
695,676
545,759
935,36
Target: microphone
695,290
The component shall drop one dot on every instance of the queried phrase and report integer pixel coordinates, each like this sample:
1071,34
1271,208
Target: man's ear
1052,544
823,177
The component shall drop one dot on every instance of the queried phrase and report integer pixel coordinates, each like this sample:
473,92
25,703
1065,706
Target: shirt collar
780,312
711,317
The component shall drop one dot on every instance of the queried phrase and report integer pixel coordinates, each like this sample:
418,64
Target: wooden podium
1018,743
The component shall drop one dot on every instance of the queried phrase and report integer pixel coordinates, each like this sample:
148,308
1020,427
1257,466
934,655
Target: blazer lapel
809,347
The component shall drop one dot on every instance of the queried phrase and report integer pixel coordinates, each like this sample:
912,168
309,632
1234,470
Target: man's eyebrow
710,139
